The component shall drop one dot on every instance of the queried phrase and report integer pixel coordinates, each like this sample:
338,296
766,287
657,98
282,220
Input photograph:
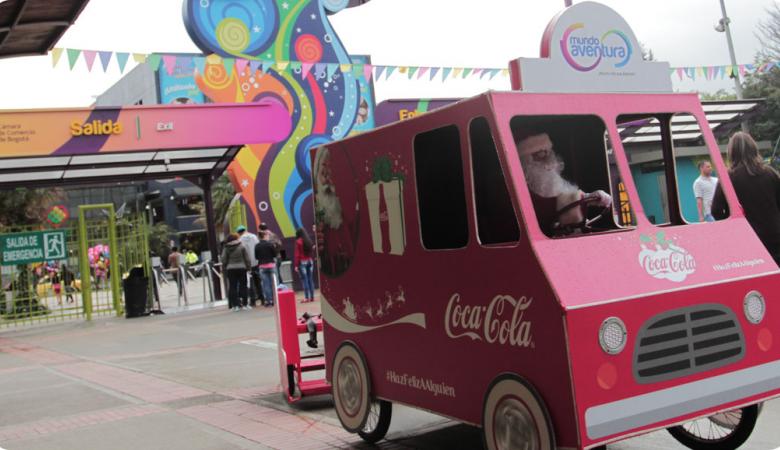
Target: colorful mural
325,102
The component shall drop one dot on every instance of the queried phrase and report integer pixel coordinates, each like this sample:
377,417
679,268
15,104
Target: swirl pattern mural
325,105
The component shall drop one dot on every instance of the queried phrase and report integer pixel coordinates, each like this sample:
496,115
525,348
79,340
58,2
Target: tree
159,236
222,193
27,206
720,94
766,85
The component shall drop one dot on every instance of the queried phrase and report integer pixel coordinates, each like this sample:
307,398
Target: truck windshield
569,166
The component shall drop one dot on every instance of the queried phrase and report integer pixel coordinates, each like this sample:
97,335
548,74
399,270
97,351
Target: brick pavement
241,416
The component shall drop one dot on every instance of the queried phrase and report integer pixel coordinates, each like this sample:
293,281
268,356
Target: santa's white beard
544,177
328,202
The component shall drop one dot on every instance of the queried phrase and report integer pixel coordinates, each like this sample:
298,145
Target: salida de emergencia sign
37,246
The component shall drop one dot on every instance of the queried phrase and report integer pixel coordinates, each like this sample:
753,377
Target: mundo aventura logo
584,52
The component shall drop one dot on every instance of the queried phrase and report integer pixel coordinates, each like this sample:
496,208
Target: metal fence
101,250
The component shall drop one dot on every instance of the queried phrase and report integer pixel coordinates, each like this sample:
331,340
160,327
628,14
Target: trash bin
136,292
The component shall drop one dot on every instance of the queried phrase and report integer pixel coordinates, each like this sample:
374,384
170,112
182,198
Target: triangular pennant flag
749,67
121,60
504,72
253,65
680,73
228,63
105,58
476,72
412,71
140,58
446,73
345,68
368,69
332,70
169,62
305,69
319,70
422,72
89,58
390,70
281,66
434,71
457,72
357,70
494,72
691,72
241,64
73,56
742,69
467,71
200,64
153,61
267,65
56,53
379,71
484,72
700,71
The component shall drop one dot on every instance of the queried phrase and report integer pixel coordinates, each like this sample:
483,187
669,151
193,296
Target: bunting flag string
367,71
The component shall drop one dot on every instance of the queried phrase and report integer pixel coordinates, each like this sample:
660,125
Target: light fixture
612,336
755,307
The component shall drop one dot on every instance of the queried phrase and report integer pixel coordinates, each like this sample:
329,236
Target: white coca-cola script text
502,321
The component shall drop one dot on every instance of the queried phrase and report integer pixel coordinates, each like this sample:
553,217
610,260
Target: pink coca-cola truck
446,287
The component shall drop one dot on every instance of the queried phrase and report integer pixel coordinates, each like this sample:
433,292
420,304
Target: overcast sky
483,33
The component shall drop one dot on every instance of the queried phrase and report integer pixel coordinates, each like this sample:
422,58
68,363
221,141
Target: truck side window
441,194
667,154
496,219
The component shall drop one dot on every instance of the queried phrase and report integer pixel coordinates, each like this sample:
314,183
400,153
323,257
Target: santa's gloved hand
601,198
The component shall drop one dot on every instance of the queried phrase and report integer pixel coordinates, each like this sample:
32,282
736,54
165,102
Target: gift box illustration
384,195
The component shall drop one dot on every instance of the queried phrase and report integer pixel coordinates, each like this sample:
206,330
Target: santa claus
560,205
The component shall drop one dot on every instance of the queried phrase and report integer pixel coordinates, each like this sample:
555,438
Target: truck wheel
378,421
514,417
351,387
723,431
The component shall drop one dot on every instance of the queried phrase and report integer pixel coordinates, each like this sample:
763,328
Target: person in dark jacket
758,189
265,254
236,263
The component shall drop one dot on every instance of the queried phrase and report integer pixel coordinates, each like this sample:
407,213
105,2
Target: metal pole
727,28
211,230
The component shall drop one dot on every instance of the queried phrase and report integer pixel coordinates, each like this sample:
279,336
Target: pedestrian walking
249,241
266,253
704,190
304,263
174,262
236,263
277,243
757,186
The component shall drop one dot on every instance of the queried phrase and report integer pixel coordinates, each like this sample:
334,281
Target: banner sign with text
37,246
589,48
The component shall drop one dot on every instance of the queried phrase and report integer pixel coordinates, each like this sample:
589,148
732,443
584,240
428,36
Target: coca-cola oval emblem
663,259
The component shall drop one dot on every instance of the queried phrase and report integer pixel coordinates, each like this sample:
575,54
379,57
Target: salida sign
589,48
38,246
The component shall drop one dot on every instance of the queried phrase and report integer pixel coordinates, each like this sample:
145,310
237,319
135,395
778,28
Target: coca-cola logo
500,322
663,259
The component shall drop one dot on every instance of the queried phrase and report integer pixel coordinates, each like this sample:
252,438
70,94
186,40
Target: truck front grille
687,341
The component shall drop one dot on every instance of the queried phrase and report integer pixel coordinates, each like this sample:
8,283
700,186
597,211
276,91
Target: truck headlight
613,336
755,307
